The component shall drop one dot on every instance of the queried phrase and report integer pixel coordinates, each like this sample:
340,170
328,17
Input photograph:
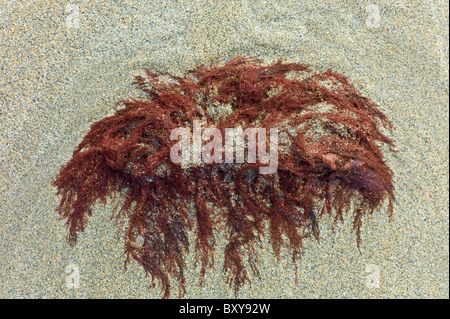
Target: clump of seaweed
330,163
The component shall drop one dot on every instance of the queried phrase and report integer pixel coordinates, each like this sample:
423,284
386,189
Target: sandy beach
64,65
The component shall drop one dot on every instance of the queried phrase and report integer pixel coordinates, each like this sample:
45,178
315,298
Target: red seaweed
330,162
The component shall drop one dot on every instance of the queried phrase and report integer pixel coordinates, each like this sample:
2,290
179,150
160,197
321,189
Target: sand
64,64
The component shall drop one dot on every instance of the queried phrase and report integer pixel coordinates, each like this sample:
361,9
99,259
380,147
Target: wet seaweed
330,163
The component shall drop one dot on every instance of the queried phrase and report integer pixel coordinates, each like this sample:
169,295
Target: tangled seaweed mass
330,162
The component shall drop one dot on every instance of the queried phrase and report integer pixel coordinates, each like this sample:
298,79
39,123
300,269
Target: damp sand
64,65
